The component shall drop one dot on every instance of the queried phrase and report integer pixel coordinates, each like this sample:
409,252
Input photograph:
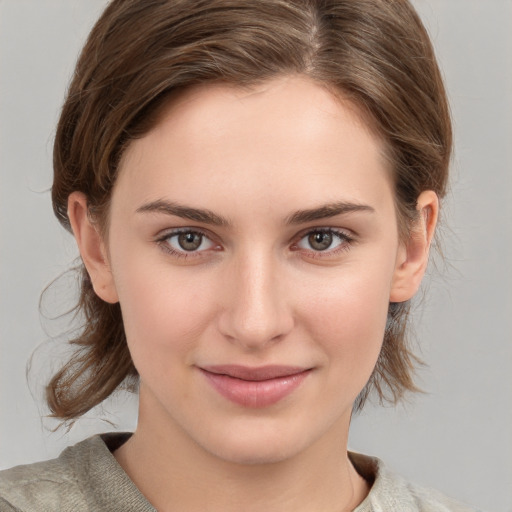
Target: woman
254,188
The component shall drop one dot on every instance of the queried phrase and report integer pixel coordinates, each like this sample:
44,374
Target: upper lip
255,373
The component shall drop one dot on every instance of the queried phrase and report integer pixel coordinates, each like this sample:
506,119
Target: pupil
320,241
189,241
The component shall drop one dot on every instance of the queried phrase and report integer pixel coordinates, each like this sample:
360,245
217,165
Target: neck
175,473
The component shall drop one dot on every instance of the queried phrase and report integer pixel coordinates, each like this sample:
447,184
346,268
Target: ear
413,254
92,248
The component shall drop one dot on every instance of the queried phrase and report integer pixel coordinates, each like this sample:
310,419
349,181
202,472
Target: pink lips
254,387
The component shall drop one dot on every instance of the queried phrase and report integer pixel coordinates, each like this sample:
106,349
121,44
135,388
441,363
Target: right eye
186,242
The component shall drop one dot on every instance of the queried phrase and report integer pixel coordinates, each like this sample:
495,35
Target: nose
256,310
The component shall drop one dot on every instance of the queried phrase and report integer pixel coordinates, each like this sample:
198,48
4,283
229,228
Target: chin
259,443
253,454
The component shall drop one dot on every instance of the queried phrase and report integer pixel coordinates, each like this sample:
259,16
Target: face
254,250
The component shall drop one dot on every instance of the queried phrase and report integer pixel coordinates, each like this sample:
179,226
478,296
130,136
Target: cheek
163,312
347,319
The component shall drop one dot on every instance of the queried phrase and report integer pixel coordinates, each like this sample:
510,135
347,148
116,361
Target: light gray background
456,437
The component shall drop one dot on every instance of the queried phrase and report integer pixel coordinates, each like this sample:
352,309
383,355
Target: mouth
255,387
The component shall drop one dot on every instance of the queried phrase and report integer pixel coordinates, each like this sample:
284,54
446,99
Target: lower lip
255,394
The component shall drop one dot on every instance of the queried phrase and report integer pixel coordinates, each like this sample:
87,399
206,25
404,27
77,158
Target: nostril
255,311
255,328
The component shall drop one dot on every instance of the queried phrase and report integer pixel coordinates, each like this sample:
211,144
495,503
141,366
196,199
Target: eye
320,241
189,241
186,241
323,240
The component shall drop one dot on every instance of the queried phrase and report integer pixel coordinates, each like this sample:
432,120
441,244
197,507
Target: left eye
188,241
319,241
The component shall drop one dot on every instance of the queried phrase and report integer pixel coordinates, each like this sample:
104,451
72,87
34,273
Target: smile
255,387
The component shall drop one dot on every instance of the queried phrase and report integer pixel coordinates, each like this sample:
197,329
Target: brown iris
320,241
190,241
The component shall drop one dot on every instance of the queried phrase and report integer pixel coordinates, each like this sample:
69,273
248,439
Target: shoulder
430,500
42,485
390,491
50,485
85,476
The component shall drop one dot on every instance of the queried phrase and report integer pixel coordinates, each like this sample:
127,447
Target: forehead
287,137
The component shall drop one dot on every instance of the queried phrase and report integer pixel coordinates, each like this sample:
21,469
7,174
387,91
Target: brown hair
376,53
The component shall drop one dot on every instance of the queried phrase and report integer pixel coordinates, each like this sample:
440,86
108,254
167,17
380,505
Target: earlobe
92,248
413,254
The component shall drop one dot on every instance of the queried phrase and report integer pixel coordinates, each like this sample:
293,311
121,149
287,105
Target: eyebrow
208,217
186,212
326,211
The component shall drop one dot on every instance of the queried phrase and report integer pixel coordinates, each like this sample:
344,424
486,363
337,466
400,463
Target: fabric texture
87,477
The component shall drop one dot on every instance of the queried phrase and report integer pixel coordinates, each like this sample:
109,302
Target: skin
256,292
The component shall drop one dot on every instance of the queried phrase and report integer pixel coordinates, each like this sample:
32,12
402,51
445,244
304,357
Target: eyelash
345,241
344,238
163,242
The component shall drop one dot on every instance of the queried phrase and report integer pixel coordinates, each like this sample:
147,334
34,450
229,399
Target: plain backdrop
458,435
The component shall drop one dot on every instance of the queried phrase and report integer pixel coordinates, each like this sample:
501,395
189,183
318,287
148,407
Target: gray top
87,477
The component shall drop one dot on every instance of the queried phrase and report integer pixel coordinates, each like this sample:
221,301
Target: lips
255,386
